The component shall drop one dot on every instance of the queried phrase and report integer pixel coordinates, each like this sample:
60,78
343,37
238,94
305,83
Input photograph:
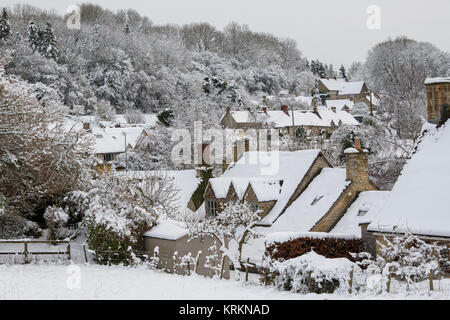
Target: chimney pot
333,109
285,109
228,109
358,144
264,109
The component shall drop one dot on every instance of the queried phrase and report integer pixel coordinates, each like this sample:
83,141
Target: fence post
25,252
69,256
351,282
431,280
388,288
189,267
85,254
196,264
109,256
246,269
222,267
310,282
131,257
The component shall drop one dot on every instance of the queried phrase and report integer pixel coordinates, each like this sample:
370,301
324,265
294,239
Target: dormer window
362,212
316,199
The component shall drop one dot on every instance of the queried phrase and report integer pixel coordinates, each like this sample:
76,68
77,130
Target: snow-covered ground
102,282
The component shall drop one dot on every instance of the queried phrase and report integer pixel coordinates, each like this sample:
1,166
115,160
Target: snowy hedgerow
56,218
312,273
411,259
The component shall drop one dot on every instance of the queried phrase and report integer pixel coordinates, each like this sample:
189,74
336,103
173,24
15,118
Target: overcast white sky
333,31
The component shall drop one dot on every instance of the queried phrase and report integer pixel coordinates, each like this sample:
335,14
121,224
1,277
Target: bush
56,219
17,227
312,273
330,247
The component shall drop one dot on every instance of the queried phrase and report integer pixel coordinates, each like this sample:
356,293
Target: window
108,157
211,208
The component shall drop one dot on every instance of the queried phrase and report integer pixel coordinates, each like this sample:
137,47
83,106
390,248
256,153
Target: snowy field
101,282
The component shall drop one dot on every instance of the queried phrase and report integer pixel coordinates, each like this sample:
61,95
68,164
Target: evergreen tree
5,29
343,73
126,28
33,37
48,43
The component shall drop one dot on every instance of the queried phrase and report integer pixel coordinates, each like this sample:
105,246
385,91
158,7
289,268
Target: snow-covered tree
55,217
232,228
48,43
5,28
121,208
40,159
134,116
104,111
33,37
342,73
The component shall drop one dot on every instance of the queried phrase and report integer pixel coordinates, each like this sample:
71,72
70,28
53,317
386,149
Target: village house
338,89
350,91
419,200
319,121
326,203
170,238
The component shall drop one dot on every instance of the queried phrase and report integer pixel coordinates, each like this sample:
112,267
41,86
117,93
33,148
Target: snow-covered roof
169,230
338,117
419,200
289,167
343,87
363,210
313,203
303,100
112,140
185,181
150,120
305,211
339,104
265,189
437,80
278,118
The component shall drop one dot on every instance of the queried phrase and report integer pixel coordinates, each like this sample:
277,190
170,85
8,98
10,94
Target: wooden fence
27,252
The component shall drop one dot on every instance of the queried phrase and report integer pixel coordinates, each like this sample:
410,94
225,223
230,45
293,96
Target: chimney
86,126
438,100
334,78
357,165
228,110
285,109
264,110
247,145
333,109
